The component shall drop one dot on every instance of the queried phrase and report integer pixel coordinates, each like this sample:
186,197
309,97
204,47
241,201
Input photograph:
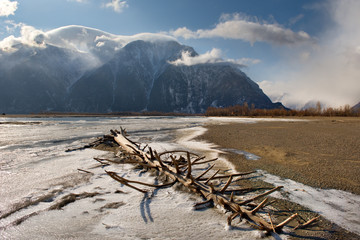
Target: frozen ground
36,172
338,206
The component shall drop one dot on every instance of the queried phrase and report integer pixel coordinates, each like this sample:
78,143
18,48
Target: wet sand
321,152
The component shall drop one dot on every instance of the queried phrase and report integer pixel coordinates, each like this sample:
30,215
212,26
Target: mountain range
79,69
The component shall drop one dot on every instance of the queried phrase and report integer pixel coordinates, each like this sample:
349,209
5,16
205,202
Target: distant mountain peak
80,69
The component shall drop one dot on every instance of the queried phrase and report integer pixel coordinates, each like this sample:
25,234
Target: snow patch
337,206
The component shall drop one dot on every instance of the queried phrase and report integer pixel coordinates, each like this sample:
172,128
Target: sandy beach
318,152
321,152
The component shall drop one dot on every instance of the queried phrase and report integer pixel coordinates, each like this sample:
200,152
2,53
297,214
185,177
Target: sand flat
320,152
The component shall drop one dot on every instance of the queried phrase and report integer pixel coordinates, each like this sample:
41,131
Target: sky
297,51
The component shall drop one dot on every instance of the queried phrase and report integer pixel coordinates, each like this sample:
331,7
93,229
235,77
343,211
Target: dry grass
245,110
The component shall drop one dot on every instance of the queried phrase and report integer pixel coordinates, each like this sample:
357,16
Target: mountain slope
195,88
81,69
127,79
34,79
356,108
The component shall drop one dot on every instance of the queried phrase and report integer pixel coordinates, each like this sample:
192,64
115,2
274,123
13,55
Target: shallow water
36,173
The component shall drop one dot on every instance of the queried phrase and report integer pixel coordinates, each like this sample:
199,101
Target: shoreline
339,209
321,153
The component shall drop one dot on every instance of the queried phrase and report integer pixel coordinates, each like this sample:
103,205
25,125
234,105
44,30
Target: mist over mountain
356,108
79,69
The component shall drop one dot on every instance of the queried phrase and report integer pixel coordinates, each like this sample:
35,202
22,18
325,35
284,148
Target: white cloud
296,19
29,36
213,56
242,28
116,5
11,26
79,1
7,8
328,72
78,38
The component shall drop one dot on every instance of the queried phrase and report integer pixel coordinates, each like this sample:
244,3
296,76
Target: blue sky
298,51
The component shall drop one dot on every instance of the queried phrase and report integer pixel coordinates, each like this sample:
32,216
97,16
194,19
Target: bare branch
210,178
81,170
119,179
260,195
259,206
205,172
227,184
282,224
188,175
307,223
234,175
206,204
207,161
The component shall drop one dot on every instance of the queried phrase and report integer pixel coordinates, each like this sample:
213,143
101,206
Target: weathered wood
117,178
307,223
174,168
212,177
204,204
192,184
280,225
227,184
234,175
122,180
259,206
205,172
271,222
82,170
260,195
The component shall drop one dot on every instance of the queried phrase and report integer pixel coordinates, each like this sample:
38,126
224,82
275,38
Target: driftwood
179,166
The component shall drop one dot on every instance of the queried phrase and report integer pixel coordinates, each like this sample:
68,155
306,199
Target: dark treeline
245,110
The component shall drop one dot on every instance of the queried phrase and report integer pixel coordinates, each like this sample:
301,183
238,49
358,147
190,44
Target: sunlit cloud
213,56
7,8
79,1
29,36
11,26
243,28
116,5
328,72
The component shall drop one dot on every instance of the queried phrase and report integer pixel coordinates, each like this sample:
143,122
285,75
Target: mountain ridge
112,73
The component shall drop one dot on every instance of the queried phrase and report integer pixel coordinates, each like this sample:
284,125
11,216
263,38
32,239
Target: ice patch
247,155
340,207
209,150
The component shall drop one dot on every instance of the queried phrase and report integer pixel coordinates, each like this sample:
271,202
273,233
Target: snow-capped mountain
81,69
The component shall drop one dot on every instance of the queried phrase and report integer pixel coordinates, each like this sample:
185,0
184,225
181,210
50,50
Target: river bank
312,157
322,152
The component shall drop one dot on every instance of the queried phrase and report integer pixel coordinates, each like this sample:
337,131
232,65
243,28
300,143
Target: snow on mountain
76,68
90,40
194,88
127,79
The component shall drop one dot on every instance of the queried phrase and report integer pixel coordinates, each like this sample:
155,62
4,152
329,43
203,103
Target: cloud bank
116,5
7,8
79,1
328,72
77,38
213,56
29,36
239,27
